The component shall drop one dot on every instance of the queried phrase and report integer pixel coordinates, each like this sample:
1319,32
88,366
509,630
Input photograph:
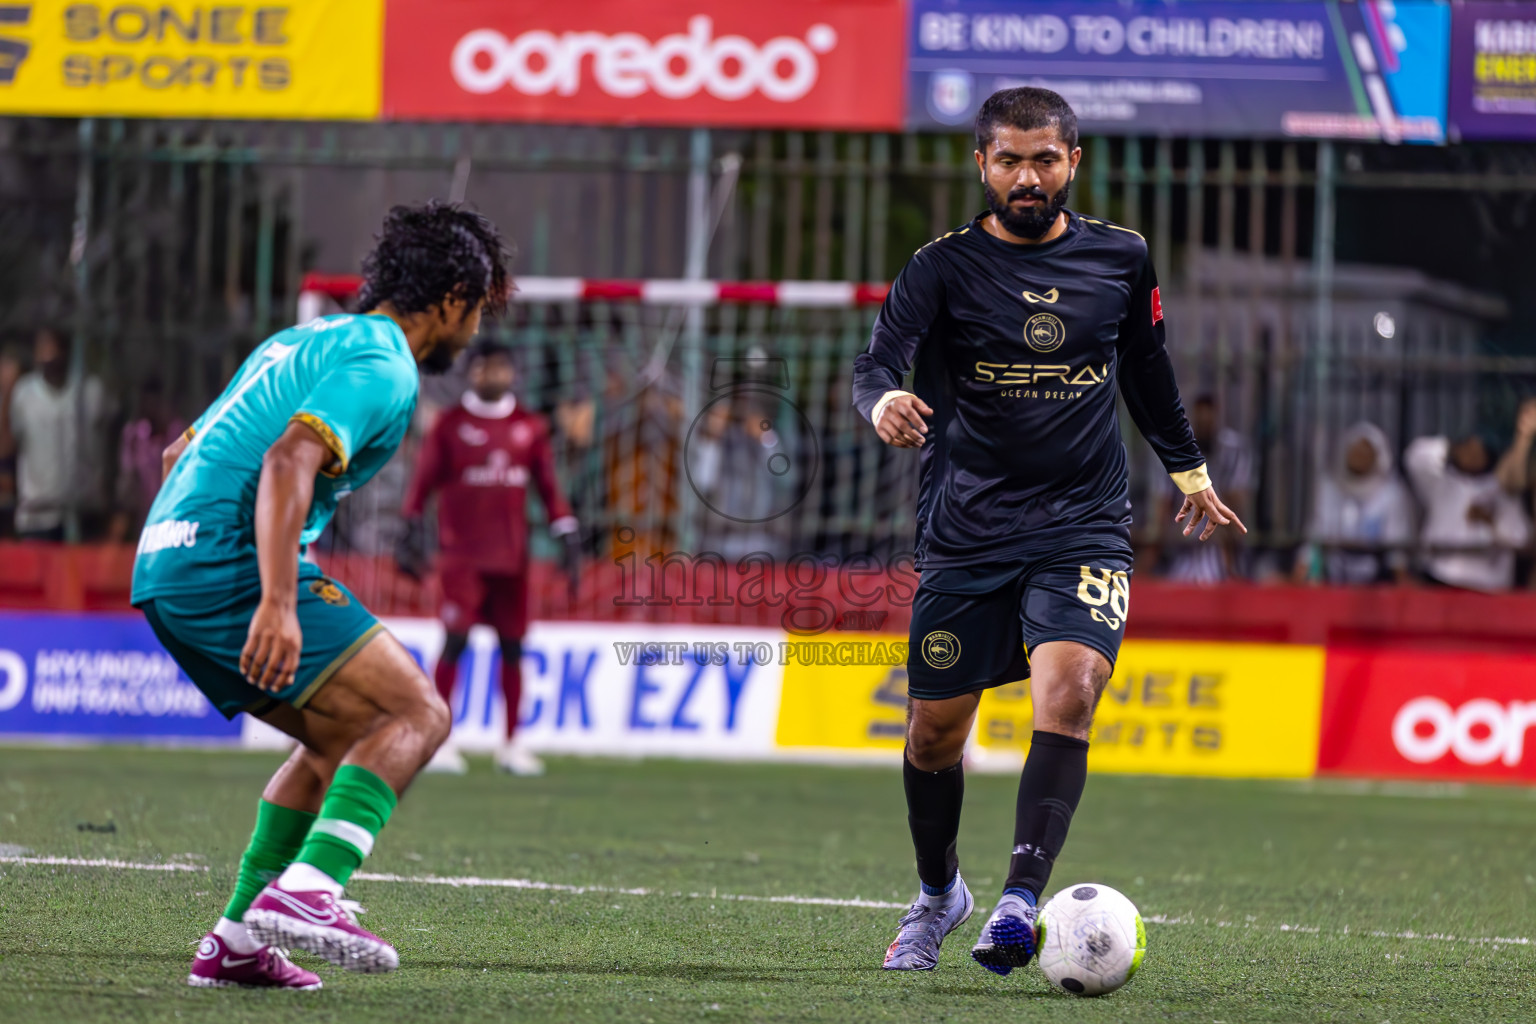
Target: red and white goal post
319,289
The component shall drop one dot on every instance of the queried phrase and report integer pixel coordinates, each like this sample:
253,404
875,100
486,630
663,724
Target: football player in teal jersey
221,575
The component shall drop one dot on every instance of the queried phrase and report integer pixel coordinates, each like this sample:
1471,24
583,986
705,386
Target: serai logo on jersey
1019,380
1044,332
627,64
173,533
498,471
1049,298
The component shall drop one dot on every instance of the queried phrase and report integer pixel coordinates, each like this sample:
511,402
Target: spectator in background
11,367
1465,509
1362,517
145,439
59,433
1229,459
731,462
1514,469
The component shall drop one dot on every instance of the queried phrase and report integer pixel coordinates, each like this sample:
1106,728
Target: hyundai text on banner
98,676
1429,714
1366,71
295,59
1493,71
797,63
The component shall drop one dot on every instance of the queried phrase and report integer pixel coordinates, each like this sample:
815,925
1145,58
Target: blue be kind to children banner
98,676
1368,70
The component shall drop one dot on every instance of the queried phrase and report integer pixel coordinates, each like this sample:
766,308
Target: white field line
525,883
101,862
528,884
1492,940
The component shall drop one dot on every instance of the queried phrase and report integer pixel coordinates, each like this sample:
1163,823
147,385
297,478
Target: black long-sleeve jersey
1018,349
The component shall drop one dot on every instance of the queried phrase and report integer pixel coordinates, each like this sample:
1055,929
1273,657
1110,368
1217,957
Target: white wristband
885,400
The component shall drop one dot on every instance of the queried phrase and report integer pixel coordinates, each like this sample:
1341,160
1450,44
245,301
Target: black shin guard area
933,812
1051,786
454,645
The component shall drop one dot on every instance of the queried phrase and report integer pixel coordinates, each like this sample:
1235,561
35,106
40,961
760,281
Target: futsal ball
1091,939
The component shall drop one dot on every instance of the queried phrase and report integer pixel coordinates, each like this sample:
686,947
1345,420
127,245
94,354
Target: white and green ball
1091,939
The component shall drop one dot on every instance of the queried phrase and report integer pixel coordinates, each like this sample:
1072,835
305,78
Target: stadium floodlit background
709,201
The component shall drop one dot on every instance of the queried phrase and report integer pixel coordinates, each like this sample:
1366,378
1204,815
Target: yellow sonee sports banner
1176,707
299,59
1171,708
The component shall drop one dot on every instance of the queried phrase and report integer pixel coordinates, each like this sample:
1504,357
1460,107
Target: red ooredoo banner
1430,714
793,63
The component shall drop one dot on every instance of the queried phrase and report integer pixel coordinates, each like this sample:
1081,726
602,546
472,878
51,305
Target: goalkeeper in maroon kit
482,456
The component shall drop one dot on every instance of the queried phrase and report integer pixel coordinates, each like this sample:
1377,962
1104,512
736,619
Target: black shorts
973,628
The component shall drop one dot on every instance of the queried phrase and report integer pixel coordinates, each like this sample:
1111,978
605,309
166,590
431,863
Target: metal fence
169,249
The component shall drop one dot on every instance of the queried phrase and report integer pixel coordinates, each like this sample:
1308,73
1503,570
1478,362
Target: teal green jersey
352,379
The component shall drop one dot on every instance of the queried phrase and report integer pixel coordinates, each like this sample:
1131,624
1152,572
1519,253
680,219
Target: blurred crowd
1457,514
70,461
79,460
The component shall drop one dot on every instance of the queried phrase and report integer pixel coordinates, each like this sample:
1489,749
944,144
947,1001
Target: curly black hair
1025,107
437,249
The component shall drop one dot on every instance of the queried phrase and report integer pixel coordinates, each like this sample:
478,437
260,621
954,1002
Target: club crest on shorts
330,593
1044,332
941,649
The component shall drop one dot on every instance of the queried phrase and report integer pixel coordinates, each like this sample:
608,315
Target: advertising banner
192,59
1189,708
1325,69
854,706
1493,71
618,689
1429,714
798,63
98,677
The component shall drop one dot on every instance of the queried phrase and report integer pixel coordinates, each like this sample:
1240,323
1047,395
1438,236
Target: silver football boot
924,926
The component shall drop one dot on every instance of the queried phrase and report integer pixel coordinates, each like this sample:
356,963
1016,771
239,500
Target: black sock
1049,789
933,812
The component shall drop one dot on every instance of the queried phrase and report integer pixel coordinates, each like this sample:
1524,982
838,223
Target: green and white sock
355,809
275,843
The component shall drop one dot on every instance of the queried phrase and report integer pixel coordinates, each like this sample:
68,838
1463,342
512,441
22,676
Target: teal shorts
205,634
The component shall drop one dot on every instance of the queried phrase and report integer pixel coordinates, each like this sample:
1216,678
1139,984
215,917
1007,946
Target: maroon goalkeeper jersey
483,456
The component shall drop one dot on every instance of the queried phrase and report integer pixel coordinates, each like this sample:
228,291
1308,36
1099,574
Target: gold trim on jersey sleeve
1113,227
948,234
1192,481
885,400
327,435
189,433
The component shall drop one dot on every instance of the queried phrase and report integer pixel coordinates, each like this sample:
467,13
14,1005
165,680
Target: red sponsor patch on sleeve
1157,304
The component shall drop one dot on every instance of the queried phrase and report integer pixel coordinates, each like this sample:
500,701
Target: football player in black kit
1020,325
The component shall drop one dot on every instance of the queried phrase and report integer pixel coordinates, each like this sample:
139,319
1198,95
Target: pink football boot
319,923
216,966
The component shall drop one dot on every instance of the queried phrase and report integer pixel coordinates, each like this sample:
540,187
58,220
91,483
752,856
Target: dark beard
1034,221
439,361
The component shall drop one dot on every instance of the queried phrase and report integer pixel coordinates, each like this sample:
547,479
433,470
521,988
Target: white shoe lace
351,908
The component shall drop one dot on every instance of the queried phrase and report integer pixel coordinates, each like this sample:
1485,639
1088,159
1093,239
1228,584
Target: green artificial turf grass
1272,890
